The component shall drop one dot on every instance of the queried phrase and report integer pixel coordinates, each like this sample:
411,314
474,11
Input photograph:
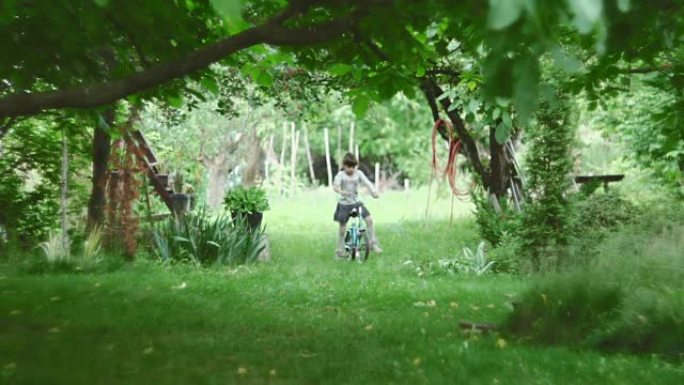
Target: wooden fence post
351,137
284,146
267,162
377,176
326,138
293,159
308,155
338,156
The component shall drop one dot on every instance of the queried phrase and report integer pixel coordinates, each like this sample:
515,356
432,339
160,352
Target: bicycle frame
356,230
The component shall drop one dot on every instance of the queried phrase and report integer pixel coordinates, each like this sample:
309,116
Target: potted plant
180,200
247,204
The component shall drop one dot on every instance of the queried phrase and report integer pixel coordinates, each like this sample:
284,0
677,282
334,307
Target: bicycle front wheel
364,248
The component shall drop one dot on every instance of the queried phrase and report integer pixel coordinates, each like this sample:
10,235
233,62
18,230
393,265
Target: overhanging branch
100,94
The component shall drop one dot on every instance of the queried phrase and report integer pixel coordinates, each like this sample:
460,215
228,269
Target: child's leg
375,247
342,232
371,229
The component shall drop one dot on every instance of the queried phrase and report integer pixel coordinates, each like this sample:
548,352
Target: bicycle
356,242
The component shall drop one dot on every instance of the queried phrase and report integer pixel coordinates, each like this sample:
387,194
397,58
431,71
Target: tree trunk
101,149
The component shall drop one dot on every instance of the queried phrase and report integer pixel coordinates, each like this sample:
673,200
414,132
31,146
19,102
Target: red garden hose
454,148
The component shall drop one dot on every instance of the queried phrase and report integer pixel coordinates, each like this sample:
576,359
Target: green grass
303,318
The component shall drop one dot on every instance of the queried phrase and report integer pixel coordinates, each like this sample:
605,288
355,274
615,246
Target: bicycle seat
354,213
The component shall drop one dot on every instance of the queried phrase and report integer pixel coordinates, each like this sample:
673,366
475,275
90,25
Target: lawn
303,318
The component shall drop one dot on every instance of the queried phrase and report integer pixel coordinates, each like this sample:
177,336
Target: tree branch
431,88
104,93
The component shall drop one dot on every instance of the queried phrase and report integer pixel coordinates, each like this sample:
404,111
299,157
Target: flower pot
180,203
253,219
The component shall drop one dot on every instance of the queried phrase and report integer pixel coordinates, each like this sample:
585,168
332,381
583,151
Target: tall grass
630,298
203,239
54,250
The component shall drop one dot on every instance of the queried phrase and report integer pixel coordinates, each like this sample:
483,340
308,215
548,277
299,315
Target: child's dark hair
349,160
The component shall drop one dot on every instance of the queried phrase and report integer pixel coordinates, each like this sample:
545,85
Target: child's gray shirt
350,185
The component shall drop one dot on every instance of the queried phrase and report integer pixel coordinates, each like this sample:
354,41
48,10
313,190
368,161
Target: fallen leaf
432,303
15,312
54,299
182,286
97,284
490,306
148,350
501,343
416,361
242,371
55,330
419,304
272,372
369,327
10,366
454,305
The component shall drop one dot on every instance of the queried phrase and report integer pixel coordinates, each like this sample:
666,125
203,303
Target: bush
201,239
629,299
593,218
492,226
246,200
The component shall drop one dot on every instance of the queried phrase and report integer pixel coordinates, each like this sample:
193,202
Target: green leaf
101,3
471,85
503,131
420,71
503,13
360,105
210,84
587,13
228,9
566,62
340,69
623,5
262,77
473,105
175,101
526,86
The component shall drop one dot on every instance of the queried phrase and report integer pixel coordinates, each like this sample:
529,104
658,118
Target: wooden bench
582,179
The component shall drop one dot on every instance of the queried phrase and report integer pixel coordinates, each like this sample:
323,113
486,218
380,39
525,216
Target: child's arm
337,185
368,184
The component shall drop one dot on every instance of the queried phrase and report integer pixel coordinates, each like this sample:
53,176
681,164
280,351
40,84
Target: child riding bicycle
346,183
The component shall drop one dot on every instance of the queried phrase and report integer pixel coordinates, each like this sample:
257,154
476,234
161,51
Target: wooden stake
293,159
356,152
267,162
338,157
407,185
308,155
377,176
326,138
351,137
284,146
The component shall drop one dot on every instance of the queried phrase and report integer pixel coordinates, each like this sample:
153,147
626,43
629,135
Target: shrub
205,240
492,225
629,299
246,200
